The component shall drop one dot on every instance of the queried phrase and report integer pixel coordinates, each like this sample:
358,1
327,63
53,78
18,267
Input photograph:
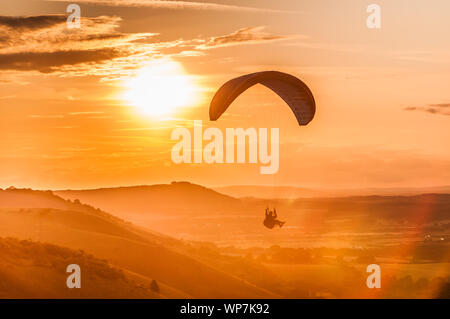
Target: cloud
198,46
37,116
425,56
32,22
180,5
439,109
246,35
46,45
86,113
441,105
53,35
49,61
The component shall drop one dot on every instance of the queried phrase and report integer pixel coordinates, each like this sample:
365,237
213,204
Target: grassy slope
37,270
124,245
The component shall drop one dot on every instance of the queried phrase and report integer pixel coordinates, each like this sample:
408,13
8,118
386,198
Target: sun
160,88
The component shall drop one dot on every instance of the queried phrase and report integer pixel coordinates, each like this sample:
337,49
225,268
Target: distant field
335,272
309,273
341,281
416,271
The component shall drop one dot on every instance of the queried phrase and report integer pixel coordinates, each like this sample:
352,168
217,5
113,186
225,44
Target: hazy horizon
225,186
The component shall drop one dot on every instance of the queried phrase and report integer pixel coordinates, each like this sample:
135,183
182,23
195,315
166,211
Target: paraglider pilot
271,219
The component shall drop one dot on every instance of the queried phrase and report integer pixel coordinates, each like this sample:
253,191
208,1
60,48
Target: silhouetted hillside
293,192
423,208
128,247
28,198
177,197
37,270
269,192
193,212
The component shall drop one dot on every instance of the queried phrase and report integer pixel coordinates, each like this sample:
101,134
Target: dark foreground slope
37,270
143,254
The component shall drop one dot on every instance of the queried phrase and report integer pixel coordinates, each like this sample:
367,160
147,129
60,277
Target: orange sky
383,96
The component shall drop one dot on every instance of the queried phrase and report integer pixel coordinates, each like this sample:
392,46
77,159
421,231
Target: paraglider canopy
291,89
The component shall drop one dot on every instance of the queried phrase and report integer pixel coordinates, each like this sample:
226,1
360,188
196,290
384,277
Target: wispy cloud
434,57
50,34
245,35
441,105
33,22
47,62
44,44
86,113
180,5
46,116
438,109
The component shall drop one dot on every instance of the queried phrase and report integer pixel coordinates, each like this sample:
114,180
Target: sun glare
160,88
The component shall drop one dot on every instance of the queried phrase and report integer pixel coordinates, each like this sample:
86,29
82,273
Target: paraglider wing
292,90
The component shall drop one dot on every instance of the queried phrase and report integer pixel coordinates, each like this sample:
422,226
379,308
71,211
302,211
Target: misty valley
129,243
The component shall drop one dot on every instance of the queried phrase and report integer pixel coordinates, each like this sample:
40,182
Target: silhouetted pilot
271,219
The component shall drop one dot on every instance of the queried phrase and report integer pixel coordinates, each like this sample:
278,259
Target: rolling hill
193,212
37,270
294,192
177,197
44,217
